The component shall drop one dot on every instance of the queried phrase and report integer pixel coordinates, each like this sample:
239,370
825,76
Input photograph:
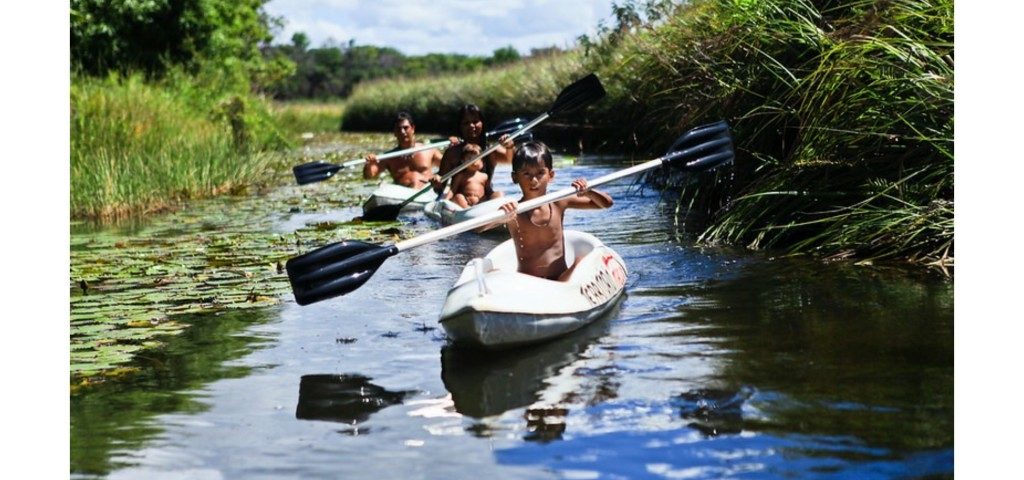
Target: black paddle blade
335,269
314,172
704,147
382,213
583,92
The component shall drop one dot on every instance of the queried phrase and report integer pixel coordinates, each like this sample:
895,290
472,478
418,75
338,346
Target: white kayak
448,212
494,306
393,194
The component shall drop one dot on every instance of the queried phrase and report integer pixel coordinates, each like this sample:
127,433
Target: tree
505,55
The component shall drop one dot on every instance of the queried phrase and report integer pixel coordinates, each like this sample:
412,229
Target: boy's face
533,178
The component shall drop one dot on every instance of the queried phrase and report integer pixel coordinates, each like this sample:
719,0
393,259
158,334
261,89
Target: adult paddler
413,170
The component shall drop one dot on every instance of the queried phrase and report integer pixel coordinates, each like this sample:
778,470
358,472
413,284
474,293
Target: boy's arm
588,199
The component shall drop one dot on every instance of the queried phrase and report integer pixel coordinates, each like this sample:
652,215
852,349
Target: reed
522,89
138,147
842,112
298,117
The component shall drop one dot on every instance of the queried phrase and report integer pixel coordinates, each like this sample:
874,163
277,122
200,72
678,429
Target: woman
471,127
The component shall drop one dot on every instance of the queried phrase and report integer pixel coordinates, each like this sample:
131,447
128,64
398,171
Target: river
718,363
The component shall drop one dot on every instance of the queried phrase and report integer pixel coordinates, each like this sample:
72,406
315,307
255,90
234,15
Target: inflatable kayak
448,212
492,305
394,194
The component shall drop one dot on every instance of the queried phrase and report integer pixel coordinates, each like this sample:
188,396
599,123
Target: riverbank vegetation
842,113
165,103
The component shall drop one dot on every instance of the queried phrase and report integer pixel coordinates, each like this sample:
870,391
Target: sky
416,27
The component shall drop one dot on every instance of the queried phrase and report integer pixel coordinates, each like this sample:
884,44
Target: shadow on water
349,399
115,419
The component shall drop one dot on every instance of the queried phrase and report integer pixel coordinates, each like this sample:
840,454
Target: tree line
232,40
332,70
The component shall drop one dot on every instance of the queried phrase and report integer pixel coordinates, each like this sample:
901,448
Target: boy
470,186
540,246
413,170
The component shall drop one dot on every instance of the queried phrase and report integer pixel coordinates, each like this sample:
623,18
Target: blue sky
417,27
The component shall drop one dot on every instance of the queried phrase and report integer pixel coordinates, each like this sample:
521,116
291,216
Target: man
413,170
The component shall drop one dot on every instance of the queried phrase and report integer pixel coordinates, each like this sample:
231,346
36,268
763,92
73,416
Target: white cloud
417,27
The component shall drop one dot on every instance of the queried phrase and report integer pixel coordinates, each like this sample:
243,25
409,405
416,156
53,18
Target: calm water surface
717,364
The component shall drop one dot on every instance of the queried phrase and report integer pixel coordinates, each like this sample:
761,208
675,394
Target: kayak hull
448,212
493,306
394,194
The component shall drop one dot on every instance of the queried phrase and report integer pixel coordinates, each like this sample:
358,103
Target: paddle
344,266
581,93
319,171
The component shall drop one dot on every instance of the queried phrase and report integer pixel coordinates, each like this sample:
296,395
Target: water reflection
714,411
485,384
347,399
110,422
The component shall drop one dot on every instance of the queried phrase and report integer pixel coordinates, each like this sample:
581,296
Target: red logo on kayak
606,259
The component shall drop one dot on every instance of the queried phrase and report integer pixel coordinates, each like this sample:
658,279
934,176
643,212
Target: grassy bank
842,114
139,147
298,117
524,88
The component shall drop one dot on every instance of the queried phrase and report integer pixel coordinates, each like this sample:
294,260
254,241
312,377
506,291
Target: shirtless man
537,234
414,170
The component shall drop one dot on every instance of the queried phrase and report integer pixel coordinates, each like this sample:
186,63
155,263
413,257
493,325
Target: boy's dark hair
532,153
404,116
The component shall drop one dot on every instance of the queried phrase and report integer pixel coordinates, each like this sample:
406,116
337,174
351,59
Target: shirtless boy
470,186
413,170
537,233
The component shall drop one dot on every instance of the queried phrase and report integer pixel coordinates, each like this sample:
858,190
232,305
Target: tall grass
522,89
137,147
843,112
298,117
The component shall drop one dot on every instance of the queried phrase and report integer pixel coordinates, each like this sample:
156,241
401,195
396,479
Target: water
718,363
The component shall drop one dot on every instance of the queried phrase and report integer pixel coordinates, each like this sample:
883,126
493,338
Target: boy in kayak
413,170
469,186
471,127
537,233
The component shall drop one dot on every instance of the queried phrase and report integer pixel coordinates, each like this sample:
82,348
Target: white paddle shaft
523,207
398,153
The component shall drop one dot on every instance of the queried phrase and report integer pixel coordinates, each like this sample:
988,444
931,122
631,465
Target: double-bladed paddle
581,93
344,266
319,171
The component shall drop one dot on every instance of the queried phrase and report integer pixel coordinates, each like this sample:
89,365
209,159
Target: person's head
474,192
404,127
532,166
471,123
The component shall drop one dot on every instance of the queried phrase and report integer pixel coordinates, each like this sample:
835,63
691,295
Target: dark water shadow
111,421
349,399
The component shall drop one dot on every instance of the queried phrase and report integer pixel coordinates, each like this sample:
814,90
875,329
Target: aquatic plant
131,285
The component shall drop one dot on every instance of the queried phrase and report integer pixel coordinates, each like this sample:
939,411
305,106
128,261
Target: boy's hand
580,184
435,181
510,210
